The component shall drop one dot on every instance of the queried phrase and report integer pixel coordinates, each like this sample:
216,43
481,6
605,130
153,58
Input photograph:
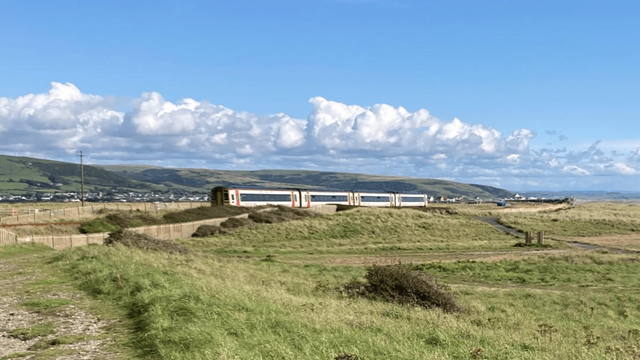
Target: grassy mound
281,214
117,220
204,212
402,284
133,239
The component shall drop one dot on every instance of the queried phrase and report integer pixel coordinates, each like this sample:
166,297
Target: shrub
234,223
134,239
281,214
209,230
97,225
402,284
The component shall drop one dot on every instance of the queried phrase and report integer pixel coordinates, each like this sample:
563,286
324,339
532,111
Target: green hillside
206,179
24,174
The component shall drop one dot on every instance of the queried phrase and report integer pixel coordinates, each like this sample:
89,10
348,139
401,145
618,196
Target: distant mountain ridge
206,179
24,174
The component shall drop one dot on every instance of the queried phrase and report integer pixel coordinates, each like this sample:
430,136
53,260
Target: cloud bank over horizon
380,139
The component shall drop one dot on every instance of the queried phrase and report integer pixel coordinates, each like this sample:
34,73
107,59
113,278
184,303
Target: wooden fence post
527,237
540,237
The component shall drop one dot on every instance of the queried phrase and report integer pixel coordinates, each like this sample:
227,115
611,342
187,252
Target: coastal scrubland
277,291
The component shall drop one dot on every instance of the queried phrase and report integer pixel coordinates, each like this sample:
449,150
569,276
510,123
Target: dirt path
43,316
493,221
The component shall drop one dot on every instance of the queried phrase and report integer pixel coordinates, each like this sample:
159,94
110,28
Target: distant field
586,220
272,291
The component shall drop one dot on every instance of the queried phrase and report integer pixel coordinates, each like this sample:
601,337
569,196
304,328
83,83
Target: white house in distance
518,197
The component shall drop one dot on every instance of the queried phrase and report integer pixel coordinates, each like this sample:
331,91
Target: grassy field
586,220
275,292
363,231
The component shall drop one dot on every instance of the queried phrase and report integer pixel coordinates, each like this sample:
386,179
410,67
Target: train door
235,198
294,199
390,200
308,199
399,199
357,199
351,200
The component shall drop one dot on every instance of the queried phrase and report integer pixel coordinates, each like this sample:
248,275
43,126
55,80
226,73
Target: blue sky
565,71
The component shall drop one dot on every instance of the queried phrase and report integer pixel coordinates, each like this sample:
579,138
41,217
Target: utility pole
82,176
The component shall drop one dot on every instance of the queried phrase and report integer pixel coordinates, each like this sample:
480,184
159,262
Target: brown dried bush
402,284
137,240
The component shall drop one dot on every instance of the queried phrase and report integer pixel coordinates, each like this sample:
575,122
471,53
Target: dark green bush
402,284
209,230
234,223
97,225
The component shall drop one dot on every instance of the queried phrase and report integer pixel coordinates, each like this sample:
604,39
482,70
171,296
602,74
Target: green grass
579,270
228,300
32,332
363,231
592,219
9,251
45,303
202,307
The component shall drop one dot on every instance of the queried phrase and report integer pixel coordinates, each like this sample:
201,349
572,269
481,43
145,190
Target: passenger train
239,196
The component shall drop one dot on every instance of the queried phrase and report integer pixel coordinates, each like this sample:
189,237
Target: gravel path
69,321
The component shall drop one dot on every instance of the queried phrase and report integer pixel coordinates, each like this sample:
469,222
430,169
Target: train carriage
375,199
247,196
316,197
222,195
406,200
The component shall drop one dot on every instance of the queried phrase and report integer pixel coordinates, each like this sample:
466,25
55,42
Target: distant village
108,196
128,196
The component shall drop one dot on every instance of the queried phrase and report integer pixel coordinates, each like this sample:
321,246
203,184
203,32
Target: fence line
7,237
164,232
90,210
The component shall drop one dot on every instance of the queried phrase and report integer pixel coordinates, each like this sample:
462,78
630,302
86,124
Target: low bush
209,230
402,284
118,220
204,212
134,239
234,223
281,214
97,225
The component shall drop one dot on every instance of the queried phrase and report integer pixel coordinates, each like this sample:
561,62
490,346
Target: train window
225,196
265,197
328,198
413,199
296,197
364,198
233,197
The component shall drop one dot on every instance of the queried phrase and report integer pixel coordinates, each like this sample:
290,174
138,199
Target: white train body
238,196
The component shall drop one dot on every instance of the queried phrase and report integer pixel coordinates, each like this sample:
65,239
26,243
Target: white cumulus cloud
335,136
